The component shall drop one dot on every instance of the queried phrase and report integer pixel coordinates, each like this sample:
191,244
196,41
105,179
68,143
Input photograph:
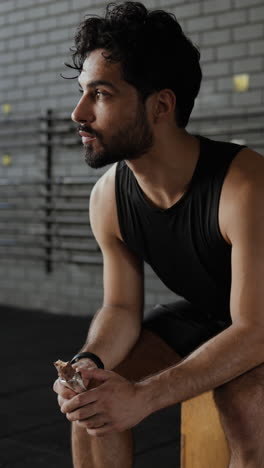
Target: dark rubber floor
33,432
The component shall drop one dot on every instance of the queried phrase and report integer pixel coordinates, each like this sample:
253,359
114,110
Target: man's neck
166,171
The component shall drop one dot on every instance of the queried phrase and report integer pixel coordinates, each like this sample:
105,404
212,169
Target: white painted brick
27,106
15,68
225,84
89,7
47,23
46,51
232,51
188,10
59,89
63,49
215,6
37,66
8,57
207,54
60,35
211,38
216,69
15,44
246,3
214,100
35,92
256,80
6,83
9,5
256,14
200,24
166,4
37,12
26,80
25,28
25,3
3,47
37,39
256,47
15,17
47,103
231,18
248,65
248,98
58,7
25,55
47,77
6,32
69,19
248,32
57,63
194,37
207,87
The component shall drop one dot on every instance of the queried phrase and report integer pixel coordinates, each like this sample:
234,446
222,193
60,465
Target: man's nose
82,112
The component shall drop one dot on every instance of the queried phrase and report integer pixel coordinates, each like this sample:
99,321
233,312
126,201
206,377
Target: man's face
112,119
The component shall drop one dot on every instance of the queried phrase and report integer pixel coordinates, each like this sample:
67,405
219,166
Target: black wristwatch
91,356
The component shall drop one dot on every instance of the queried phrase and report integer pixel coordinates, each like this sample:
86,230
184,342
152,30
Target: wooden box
203,442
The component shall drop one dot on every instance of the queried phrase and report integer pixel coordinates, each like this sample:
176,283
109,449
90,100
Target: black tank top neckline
185,195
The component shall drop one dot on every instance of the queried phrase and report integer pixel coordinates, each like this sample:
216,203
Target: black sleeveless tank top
183,244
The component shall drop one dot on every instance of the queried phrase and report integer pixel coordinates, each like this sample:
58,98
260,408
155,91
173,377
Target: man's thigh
183,326
170,332
149,355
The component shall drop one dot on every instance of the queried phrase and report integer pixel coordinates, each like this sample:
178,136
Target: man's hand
113,406
64,392
83,365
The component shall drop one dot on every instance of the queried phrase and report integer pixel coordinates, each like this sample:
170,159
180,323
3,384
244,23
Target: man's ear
164,106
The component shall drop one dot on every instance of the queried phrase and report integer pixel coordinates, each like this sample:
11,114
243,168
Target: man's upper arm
246,233
123,271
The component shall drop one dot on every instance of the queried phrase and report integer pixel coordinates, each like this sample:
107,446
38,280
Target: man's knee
241,410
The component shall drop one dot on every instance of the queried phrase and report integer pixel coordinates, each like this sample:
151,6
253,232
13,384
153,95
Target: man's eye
99,94
80,90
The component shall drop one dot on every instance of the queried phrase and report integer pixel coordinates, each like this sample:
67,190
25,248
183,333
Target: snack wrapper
69,377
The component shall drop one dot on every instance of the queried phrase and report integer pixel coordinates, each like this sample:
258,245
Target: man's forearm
113,332
226,356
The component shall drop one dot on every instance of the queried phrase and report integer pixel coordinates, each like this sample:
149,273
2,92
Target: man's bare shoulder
247,167
243,186
104,187
246,172
103,213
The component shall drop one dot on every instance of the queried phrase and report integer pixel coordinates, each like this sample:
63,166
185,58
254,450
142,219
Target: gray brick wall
35,37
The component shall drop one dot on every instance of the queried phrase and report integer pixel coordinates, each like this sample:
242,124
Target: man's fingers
62,390
94,422
100,431
80,400
81,413
95,373
84,364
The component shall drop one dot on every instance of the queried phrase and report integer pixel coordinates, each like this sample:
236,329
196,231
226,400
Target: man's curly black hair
151,47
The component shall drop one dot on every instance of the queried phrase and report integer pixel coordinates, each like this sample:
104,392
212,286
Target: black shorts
183,326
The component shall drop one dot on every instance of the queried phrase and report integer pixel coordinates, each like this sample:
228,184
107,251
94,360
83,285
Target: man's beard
130,142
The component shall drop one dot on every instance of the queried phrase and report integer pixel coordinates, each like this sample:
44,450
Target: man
190,207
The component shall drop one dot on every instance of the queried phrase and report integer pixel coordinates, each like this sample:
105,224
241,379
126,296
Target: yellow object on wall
6,108
241,82
6,160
